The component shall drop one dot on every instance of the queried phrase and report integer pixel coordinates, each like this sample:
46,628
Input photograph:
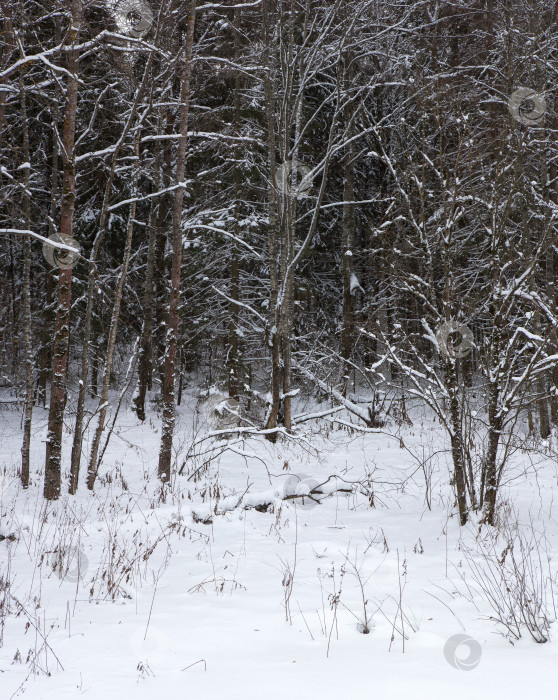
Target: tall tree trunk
543,403
103,401
232,363
490,476
233,344
552,286
62,323
286,339
457,448
288,213
169,417
159,272
347,329
28,411
145,363
45,336
91,285
273,232
45,356
287,307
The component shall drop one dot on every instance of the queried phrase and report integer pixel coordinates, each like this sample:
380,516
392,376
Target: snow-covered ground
260,604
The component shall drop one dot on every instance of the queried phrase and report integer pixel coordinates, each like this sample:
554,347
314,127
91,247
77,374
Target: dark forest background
353,201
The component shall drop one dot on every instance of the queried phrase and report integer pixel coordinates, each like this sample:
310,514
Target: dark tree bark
145,362
169,418
111,345
62,322
91,285
274,339
28,343
347,330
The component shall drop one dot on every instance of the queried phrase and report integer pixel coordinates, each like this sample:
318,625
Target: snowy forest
278,348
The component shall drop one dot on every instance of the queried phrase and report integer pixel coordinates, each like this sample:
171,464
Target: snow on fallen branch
263,500
303,417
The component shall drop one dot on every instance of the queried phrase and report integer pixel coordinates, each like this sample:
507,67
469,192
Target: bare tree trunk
233,341
159,271
452,382
490,477
45,358
457,450
233,344
62,323
145,353
294,73
45,337
95,354
552,285
274,337
543,403
347,330
91,281
288,213
286,340
169,417
287,307
103,401
28,411
348,230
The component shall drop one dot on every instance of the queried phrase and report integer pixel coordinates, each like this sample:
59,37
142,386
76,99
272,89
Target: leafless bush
125,562
334,599
512,571
364,620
